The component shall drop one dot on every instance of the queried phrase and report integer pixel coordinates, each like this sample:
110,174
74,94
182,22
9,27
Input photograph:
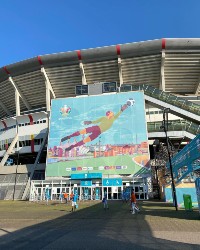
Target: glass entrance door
112,193
108,192
77,190
96,193
116,193
86,193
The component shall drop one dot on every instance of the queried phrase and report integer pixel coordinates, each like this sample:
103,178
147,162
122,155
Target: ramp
183,163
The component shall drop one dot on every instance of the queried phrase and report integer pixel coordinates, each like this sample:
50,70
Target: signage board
86,183
98,134
86,176
112,182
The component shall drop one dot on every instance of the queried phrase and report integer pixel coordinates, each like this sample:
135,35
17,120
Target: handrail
175,125
169,98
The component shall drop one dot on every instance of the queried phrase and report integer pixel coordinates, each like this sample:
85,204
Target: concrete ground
26,225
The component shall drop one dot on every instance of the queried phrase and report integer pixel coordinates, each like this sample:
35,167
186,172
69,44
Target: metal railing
168,98
175,125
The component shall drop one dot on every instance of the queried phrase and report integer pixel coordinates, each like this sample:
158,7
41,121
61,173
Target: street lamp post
156,143
17,163
165,128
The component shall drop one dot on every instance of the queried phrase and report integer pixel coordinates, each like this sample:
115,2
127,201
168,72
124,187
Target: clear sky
37,27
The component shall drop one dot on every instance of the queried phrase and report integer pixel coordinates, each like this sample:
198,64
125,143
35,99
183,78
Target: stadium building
161,76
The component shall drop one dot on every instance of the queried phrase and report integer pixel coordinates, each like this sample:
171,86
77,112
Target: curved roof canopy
172,65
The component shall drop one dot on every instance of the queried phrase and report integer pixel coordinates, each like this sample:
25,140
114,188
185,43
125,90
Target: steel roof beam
5,108
197,88
118,49
48,89
17,103
120,70
20,93
84,81
48,85
47,81
162,72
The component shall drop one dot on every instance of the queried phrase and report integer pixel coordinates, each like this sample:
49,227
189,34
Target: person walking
71,196
65,197
105,202
47,196
74,202
124,196
127,195
133,201
61,196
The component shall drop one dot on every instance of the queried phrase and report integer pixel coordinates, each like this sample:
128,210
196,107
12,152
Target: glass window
109,87
82,90
125,88
27,143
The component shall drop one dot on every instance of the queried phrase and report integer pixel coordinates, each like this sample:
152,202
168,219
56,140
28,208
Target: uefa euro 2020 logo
65,110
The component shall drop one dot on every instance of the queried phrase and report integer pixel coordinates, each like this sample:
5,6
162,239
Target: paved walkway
25,225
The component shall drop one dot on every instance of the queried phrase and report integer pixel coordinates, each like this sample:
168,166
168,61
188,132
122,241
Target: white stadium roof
172,65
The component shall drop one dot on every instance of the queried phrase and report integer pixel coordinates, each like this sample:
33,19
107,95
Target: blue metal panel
187,155
197,183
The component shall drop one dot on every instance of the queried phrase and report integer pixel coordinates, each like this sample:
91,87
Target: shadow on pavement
164,209
93,228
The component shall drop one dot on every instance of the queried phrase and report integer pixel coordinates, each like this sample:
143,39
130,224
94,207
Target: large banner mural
98,134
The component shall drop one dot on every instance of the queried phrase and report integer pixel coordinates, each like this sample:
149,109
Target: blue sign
112,182
197,182
86,183
86,176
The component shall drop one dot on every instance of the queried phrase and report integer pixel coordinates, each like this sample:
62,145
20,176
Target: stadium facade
166,71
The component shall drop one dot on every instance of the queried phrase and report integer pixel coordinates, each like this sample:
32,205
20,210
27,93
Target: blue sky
38,27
